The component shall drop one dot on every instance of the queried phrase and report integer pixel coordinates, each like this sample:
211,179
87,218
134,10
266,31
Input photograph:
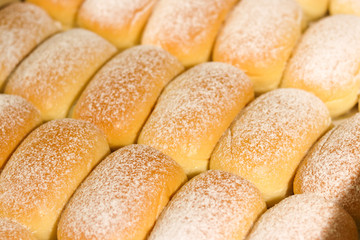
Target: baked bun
55,73
326,62
45,171
269,138
17,118
213,205
63,11
345,7
123,196
10,230
258,37
305,217
187,28
119,21
22,27
194,111
313,9
5,2
122,94
332,168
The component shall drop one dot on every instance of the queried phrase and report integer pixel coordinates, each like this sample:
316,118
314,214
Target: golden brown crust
258,37
305,217
53,75
122,94
45,170
5,2
269,138
63,10
326,62
187,28
22,27
213,205
193,112
122,197
345,7
332,168
313,9
11,230
120,22
17,118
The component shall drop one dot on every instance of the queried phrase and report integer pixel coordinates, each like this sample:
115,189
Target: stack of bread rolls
230,119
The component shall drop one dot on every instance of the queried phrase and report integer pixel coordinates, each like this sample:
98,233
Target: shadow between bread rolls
193,112
269,138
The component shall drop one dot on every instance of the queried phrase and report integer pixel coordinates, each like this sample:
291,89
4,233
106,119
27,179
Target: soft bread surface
214,205
269,138
122,94
10,230
193,112
123,196
327,61
119,21
55,73
345,7
332,168
45,171
63,10
305,217
187,28
258,37
22,27
313,9
17,118
5,2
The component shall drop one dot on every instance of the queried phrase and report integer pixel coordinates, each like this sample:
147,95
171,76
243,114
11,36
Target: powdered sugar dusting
45,170
259,33
17,118
60,66
179,26
332,169
271,136
213,205
326,61
120,97
11,230
22,27
304,217
195,109
123,196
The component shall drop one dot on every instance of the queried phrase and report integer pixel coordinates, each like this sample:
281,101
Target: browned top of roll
213,205
123,196
22,27
332,168
305,217
17,118
122,94
11,230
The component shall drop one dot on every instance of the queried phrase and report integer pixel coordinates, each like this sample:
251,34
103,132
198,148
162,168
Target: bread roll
17,118
332,168
269,138
313,9
22,27
11,230
119,21
305,217
45,171
122,197
5,2
345,7
187,28
193,112
326,62
63,11
213,205
258,37
54,74
122,94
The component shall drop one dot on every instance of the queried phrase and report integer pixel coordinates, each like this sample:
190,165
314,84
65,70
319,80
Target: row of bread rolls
249,45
